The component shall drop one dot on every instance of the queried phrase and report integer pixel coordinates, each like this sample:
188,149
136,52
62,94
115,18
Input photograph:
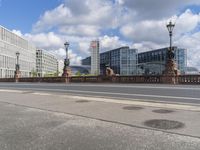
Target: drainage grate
163,111
164,124
132,108
82,101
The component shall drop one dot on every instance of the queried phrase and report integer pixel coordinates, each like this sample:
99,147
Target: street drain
164,124
132,108
82,101
163,111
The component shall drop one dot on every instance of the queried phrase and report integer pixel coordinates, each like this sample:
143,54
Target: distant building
153,62
122,60
46,64
82,70
60,66
95,62
11,43
192,71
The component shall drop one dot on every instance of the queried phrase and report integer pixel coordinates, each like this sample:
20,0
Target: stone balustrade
181,79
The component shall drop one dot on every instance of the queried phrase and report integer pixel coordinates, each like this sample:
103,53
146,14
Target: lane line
139,103
117,101
115,86
111,93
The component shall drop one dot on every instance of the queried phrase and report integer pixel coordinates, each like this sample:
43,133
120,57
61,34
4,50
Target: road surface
99,117
146,92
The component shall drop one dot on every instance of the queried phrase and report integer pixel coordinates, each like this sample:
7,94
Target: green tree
78,73
34,73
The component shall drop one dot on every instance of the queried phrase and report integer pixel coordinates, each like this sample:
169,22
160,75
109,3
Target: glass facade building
153,62
46,63
95,64
122,60
11,43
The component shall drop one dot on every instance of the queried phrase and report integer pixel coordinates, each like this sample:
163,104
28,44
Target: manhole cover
163,124
163,111
132,108
82,101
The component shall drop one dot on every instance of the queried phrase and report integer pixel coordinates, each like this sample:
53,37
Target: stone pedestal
171,73
109,72
17,75
67,73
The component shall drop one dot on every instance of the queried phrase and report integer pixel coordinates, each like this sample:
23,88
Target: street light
170,70
17,72
67,62
170,28
66,69
17,65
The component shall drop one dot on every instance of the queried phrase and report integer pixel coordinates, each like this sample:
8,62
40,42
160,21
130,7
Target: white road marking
42,94
117,101
139,103
111,93
11,91
115,85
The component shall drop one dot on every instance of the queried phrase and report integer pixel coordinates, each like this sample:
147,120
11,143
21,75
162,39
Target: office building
11,43
122,60
46,64
60,66
192,71
95,62
153,62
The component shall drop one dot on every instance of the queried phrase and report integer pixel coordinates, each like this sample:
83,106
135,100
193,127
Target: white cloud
52,18
81,17
156,9
108,43
80,30
141,22
147,46
186,22
18,32
46,40
154,31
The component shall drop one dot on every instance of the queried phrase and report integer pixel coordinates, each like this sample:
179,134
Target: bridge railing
189,79
181,79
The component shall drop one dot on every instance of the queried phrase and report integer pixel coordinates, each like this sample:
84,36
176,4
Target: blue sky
22,14
137,23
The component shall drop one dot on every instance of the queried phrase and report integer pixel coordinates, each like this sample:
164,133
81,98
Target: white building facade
95,58
60,67
46,64
11,43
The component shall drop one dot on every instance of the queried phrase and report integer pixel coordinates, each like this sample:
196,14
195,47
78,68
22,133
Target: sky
138,24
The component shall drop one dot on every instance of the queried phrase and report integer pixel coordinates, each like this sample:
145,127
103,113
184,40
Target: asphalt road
50,117
39,122
144,92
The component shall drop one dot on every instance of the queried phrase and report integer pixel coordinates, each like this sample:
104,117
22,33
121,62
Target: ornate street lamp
170,28
17,68
67,62
170,70
66,69
17,65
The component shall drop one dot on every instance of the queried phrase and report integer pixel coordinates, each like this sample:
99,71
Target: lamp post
66,69
170,28
67,62
17,65
170,70
17,68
